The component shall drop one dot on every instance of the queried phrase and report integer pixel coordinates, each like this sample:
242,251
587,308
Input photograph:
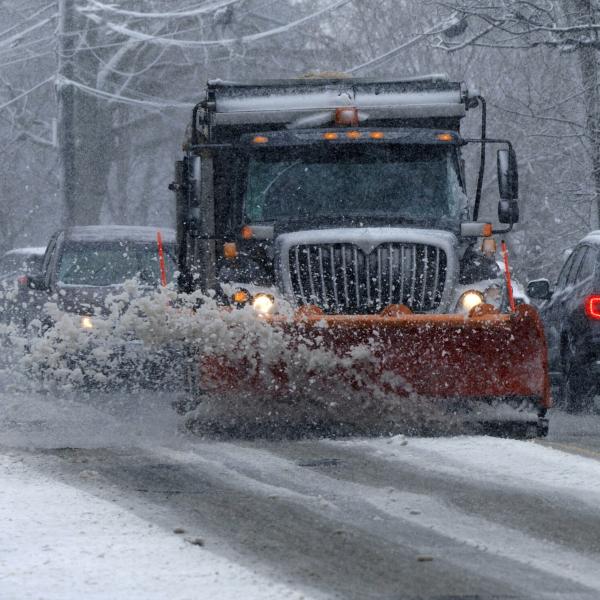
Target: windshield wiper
278,176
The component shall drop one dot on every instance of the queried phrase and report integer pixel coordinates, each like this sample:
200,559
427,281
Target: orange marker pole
511,298
161,260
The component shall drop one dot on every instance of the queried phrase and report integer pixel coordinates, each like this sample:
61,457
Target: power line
35,87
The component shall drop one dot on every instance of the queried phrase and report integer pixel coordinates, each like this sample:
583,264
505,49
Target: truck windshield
112,263
399,182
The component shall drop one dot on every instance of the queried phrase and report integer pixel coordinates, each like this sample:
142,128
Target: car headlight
263,303
86,323
469,300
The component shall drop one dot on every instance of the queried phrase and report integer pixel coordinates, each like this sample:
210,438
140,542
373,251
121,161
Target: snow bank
58,542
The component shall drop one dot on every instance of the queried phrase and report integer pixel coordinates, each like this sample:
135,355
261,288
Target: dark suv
571,316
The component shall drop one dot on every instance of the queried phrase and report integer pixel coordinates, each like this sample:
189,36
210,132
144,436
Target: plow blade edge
494,356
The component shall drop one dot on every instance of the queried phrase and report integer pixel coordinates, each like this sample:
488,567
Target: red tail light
592,306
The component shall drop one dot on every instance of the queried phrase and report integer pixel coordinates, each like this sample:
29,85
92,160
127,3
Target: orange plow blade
485,358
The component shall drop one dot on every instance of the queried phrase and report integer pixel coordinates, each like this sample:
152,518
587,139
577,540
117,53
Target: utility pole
66,108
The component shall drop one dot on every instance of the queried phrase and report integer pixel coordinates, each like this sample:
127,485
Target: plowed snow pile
142,340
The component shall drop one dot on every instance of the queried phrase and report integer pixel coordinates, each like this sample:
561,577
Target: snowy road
392,519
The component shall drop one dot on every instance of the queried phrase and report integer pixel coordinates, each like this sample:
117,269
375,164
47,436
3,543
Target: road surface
393,518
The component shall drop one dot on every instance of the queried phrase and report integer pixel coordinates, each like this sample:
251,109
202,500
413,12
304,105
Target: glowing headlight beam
86,323
263,303
469,300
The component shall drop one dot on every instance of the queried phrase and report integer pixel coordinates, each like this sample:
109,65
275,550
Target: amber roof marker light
260,139
376,135
445,137
330,135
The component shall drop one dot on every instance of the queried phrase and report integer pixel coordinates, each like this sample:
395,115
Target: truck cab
336,210
347,195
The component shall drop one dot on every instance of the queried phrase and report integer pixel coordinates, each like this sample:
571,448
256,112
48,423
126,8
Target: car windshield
112,263
399,182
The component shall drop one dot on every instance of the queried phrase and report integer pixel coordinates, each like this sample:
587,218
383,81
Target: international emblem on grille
345,278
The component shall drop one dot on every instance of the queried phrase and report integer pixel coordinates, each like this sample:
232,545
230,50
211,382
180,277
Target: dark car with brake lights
571,316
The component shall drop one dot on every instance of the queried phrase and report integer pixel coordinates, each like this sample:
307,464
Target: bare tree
569,28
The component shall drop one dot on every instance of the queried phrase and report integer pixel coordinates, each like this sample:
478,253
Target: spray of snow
155,340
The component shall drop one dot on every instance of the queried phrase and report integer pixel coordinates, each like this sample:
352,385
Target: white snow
491,537
520,465
467,456
166,326
104,233
58,542
49,526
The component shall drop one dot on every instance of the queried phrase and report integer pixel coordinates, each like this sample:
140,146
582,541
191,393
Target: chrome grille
342,278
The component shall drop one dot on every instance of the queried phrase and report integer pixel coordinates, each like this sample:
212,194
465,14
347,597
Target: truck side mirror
539,289
36,281
508,184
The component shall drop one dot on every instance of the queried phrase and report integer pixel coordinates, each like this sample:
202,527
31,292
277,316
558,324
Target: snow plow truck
336,209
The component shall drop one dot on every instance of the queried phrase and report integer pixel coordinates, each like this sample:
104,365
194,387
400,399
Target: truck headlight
263,303
469,300
86,323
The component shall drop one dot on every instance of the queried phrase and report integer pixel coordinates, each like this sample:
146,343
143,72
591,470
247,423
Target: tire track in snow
482,534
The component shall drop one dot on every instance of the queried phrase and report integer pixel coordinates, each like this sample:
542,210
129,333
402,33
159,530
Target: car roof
31,251
593,237
113,233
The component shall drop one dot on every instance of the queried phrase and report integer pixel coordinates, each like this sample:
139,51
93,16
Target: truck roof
296,102
317,80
